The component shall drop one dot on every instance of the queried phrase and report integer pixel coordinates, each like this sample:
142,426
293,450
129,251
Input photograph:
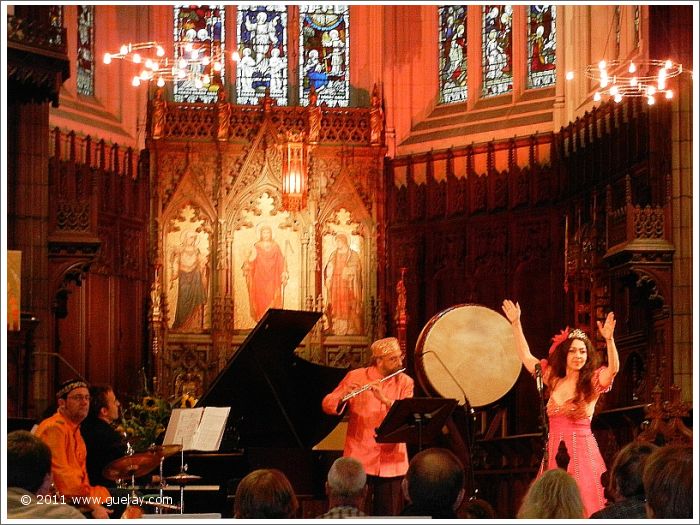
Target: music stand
414,420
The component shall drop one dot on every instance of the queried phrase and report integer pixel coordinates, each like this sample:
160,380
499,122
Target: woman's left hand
607,329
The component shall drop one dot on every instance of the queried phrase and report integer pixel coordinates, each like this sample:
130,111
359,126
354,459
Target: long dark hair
584,385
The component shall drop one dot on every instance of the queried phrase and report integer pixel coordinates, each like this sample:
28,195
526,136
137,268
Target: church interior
230,203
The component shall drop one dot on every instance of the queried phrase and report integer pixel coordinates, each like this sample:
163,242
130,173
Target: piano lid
275,396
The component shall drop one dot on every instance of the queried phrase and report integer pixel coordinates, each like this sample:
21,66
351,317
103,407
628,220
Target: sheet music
182,427
211,429
197,428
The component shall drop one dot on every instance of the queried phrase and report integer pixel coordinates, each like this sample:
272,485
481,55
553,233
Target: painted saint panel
266,264
188,271
344,278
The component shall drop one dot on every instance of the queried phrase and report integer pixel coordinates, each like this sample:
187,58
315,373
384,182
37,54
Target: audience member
668,482
29,480
265,493
103,443
554,495
434,484
625,484
61,432
346,489
477,509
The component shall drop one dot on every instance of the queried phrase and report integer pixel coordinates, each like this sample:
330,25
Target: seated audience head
265,493
554,495
626,473
347,483
73,399
103,403
435,479
477,509
28,462
668,482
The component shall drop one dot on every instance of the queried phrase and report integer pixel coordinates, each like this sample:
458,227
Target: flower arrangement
144,421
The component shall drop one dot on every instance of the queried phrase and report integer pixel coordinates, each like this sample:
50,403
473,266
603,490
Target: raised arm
607,330
512,311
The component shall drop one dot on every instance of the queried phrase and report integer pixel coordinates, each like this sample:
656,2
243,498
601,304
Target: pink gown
569,422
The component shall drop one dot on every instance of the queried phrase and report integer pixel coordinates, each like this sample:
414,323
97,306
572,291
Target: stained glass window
541,46
56,23
324,51
85,70
199,39
636,25
497,49
262,50
453,53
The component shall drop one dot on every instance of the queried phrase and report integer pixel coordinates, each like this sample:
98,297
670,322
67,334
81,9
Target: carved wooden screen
227,248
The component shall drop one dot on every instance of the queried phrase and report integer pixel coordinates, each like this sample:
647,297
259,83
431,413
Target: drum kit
136,465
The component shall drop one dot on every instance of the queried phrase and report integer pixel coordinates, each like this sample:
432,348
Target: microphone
538,377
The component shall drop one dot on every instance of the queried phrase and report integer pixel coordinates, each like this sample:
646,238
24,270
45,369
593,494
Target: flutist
380,384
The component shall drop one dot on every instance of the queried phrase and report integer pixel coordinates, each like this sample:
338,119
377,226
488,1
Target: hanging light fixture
294,172
618,79
197,64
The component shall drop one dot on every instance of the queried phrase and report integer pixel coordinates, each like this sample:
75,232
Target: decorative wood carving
37,63
224,161
97,240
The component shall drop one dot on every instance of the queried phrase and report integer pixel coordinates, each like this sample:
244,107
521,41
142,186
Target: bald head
435,479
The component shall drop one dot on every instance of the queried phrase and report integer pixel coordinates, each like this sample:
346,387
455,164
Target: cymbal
165,451
182,478
137,465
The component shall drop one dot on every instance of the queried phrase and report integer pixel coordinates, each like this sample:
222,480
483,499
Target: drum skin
467,349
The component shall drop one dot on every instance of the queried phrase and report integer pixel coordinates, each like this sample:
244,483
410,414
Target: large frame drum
467,349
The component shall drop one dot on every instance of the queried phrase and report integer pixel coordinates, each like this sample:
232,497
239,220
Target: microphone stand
469,418
543,417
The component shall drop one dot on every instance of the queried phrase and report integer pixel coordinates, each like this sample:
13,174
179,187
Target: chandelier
198,64
617,79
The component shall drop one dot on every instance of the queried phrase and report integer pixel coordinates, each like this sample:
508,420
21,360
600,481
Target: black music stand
414,420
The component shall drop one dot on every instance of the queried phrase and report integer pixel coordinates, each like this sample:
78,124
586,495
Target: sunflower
150,403
144,421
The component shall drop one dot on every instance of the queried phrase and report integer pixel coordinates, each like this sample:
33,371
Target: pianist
385,463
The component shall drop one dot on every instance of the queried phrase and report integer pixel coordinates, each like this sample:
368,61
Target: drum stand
162,485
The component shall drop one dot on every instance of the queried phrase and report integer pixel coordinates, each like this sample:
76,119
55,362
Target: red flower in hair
558,339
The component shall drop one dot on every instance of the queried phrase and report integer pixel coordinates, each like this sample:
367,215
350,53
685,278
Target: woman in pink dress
575,380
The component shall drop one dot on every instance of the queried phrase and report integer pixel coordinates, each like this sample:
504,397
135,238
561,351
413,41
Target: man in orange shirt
385,463
61,432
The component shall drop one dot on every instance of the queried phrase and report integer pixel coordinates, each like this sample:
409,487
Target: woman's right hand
512,310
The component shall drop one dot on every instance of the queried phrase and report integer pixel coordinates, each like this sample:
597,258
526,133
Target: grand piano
275,418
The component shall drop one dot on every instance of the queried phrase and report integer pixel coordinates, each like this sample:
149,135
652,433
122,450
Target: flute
368,386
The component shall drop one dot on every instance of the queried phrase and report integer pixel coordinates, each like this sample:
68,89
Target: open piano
275,418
